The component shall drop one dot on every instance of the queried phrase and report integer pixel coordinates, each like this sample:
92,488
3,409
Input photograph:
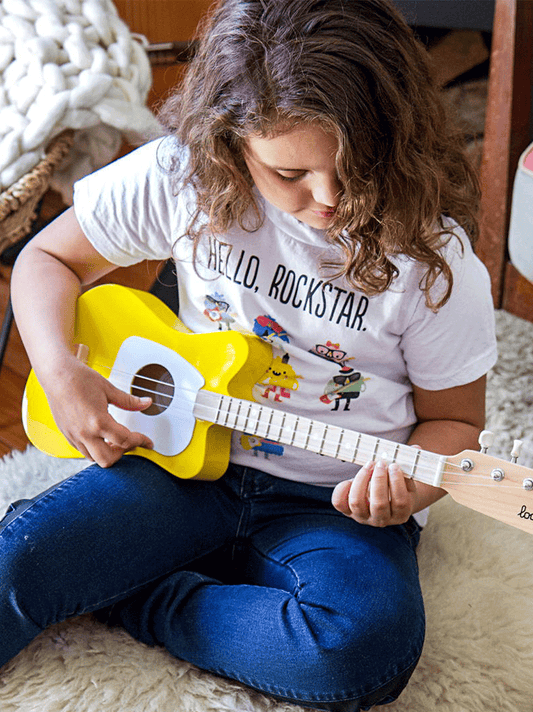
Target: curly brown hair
356,67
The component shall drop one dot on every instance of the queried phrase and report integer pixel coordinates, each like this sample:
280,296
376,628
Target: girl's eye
291,179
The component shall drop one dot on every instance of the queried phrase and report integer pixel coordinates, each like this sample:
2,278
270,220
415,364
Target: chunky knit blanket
69,64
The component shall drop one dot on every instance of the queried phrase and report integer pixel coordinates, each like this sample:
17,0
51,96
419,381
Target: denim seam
293,695
40,497
415,657
288,567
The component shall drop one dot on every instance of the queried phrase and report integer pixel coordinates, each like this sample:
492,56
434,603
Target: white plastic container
520,241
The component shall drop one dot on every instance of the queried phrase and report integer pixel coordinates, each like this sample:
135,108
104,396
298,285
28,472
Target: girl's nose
327,190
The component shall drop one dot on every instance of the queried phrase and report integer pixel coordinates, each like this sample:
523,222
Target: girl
310,188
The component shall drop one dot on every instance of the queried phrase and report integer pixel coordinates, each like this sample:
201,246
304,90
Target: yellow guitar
201,386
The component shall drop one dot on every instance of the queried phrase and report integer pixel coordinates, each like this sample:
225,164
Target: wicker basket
18,203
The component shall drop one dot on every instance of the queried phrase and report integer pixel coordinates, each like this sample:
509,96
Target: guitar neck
313,435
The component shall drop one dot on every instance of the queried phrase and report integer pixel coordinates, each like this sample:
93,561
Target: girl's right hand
79,399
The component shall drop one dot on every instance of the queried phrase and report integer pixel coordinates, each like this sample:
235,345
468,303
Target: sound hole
156,382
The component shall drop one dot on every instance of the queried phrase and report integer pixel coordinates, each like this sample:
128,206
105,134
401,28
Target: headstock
500,489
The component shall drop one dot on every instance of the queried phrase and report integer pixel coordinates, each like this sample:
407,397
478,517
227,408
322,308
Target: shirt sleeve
457,344
128,209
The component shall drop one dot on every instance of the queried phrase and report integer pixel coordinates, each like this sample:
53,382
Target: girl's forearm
446,437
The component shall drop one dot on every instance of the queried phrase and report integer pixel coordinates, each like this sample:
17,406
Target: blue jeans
251,577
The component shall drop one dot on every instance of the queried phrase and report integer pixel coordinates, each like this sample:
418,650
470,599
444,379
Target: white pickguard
171,430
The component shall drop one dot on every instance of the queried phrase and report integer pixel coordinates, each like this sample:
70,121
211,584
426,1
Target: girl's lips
324,213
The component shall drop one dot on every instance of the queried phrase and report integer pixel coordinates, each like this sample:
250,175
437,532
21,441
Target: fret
341,433
308,436
274,426
252,422
282,426
244,415
262,426
302,432
287,428
257,417
225,421
269,424
356,448
294,431
234,407
376,448
345,444
323,441
318,436
395,453
415,465
245,427
235,415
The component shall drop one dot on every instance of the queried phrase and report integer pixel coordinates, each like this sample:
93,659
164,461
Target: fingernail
394,468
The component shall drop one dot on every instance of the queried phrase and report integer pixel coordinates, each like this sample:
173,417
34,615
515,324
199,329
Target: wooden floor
16,367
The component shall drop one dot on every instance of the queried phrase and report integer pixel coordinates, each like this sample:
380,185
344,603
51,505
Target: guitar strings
359,451
421,467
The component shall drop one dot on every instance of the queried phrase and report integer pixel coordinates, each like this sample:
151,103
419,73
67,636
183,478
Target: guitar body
226,362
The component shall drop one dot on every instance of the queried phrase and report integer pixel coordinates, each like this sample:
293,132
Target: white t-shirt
345,358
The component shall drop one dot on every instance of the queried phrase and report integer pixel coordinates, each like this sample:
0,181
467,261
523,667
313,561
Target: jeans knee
30,571
366,657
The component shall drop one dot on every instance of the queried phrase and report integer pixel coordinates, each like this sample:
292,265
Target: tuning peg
486,439
515,452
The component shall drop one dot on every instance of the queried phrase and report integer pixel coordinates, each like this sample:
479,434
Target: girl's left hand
379,495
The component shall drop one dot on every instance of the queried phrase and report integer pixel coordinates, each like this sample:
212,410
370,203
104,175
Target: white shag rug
477,577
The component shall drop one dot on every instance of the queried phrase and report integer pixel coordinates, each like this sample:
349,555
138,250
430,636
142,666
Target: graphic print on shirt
331,352
268,329
348,384
217,311
279,380
261,445
323,299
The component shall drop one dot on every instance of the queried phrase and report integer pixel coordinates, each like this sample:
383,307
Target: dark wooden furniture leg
507,134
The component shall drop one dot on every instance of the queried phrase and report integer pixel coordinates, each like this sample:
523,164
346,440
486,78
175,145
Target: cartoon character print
217,310
257,445
280,379
268,329
331,352
348,384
